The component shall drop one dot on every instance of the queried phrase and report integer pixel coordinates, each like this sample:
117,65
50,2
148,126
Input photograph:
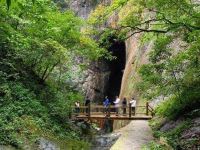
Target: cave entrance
116,68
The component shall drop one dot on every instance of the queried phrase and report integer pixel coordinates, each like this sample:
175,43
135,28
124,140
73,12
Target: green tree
38,45
171,72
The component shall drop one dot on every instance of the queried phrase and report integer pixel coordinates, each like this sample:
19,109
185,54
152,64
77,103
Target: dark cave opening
116,67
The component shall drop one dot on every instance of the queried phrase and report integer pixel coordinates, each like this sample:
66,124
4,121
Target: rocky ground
188,137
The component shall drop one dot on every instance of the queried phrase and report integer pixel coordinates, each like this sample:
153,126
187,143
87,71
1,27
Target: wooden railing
108,111
149,109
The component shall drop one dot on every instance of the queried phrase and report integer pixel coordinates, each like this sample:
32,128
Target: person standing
106,103
116,102
124,105
133,105
77,107
87,103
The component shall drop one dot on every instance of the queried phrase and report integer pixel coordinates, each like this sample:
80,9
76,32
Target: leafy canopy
38,46
173,26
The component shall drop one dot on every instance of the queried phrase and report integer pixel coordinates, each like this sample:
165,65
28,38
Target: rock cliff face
136,55
83,7
94,80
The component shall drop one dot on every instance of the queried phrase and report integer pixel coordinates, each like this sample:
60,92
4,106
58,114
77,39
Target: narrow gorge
61,59
124,75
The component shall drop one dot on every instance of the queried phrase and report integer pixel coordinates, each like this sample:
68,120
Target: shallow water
104,141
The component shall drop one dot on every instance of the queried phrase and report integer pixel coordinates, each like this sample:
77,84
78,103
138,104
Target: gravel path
133,136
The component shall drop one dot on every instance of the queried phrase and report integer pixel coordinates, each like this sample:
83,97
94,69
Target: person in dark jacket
124,105
87,102
106,103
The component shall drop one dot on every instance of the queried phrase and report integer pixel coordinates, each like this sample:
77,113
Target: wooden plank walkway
114,117
100,112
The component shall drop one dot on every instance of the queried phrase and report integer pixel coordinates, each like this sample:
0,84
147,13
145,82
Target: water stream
105,138
104,141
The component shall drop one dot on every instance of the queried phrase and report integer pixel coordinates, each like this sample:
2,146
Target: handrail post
147,108
108,110
130,110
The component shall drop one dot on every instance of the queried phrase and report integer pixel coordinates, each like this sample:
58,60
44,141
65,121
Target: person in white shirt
133,105
77,107
116,102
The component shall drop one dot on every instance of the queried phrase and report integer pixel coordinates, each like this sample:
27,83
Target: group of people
77,105
117,103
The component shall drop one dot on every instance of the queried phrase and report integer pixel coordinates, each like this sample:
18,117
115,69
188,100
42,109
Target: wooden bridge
101,112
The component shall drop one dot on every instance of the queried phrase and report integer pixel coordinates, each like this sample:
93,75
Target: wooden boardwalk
100,112
114,117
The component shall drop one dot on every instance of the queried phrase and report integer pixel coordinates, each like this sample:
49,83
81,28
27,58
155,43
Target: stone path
133,136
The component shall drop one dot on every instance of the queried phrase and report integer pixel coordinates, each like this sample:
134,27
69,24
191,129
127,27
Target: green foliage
154,146
160,51
175,134
173,137
25,117
61,108
108,37
38,45
176,105
146,37
173,70
175,76
49,49
17,104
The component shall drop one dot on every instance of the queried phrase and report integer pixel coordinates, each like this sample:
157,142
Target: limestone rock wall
83,7
136,55
94,80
